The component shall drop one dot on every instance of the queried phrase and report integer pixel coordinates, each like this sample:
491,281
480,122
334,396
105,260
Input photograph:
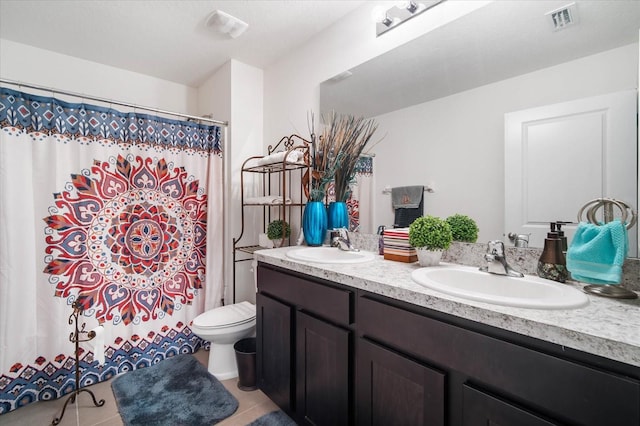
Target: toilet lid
226,316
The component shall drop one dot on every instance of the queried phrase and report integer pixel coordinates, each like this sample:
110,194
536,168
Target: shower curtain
115,210
360,220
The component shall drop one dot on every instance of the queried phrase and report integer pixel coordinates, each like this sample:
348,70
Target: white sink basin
527,292
330,255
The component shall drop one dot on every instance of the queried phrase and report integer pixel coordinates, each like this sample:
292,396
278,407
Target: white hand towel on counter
270,199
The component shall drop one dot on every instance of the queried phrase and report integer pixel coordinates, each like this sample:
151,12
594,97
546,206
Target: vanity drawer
568,391
327,301
481,409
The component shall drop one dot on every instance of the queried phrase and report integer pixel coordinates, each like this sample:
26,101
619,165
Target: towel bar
629,217
427,188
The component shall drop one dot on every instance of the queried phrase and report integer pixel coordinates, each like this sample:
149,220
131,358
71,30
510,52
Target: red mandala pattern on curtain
130,237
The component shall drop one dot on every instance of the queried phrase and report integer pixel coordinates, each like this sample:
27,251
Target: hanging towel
597,253
408,204
407,197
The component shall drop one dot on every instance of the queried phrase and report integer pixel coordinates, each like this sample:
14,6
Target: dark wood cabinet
481,409
395,390
304,334
331,355
322,371
542,383
273,344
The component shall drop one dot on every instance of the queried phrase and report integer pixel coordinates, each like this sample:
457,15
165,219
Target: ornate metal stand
76,338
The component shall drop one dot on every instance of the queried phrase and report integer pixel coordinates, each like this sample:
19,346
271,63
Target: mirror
440,100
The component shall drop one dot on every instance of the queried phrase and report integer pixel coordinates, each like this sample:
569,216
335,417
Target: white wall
247,107
46,68
234,93
457,142
214,95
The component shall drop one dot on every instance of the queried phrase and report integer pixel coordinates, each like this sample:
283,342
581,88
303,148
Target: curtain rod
110,101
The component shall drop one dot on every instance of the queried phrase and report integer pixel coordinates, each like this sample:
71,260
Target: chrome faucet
340,239
497,261
519,240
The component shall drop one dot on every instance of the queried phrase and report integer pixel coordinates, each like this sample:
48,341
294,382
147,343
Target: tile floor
251,406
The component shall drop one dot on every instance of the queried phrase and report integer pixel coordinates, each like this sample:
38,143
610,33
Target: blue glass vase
338,215
314,223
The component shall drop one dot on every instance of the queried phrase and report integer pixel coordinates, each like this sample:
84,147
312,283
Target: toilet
223,327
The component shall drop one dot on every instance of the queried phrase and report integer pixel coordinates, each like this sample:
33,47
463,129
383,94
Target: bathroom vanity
363,344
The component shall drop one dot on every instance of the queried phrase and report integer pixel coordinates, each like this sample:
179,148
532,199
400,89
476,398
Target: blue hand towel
597,253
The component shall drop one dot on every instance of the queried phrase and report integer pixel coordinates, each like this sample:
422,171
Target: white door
559,157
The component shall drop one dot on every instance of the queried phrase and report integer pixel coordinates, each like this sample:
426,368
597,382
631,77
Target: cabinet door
395,390
481,409
273,350
322,371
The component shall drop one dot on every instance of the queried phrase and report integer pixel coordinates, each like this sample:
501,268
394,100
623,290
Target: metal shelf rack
288,180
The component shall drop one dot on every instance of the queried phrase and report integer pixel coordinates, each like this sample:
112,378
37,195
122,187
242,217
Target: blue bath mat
176,391
275,418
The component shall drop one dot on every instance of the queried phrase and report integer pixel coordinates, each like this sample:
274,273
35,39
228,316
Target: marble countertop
606,327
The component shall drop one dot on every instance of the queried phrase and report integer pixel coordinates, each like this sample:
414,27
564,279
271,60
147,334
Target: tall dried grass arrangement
323,165
344,139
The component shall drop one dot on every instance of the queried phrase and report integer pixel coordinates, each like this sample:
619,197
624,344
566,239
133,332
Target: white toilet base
222,361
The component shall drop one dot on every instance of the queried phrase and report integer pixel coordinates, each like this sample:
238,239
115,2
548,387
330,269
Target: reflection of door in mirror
561,156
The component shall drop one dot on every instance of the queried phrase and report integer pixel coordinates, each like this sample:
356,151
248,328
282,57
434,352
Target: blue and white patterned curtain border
85,123
364,165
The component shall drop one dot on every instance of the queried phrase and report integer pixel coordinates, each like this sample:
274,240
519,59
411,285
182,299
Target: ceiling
168,39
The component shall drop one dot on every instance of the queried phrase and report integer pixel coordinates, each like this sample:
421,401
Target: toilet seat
226,316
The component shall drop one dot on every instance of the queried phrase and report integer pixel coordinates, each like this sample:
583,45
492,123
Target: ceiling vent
563,17
226,24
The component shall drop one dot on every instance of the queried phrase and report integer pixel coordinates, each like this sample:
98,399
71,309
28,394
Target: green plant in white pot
277,231
430,236
463,228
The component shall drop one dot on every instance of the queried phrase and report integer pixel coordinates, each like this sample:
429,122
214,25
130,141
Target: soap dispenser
563,238
552,264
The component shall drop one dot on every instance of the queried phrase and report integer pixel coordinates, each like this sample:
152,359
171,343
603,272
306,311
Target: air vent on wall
563,17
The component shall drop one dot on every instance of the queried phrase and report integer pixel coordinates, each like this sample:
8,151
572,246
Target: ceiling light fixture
224,23
398,14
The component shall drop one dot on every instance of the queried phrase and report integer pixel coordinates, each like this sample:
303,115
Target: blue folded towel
597,253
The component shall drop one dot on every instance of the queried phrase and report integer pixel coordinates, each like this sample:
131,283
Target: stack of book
397,247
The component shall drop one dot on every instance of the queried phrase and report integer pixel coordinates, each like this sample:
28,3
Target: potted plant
463,228
430,236
277,231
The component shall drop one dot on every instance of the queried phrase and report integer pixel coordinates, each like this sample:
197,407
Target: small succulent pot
430,236
278,231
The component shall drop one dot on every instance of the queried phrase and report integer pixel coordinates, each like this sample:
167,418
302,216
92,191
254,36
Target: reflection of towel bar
427,188
629,217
